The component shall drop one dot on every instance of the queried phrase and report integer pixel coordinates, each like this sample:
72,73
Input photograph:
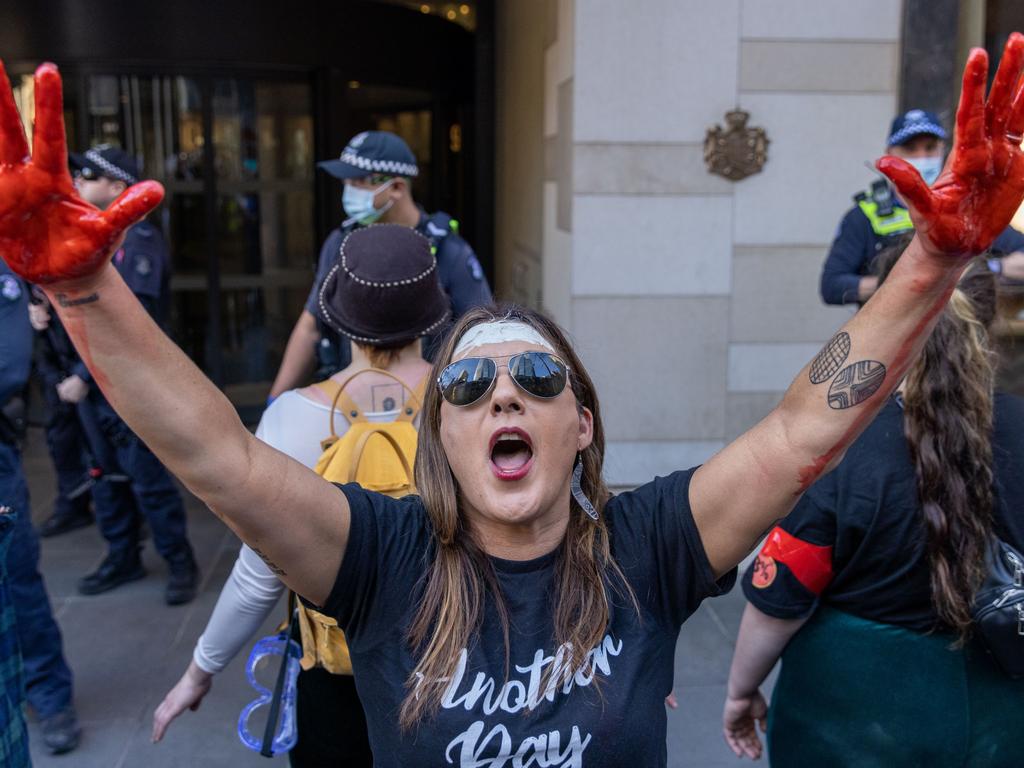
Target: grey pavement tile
103,743
62,569
116,650
694,733
703,652
727,611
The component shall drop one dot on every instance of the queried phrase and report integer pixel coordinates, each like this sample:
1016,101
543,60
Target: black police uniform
55,359
142,483
384,154
458,269
48,684
143,262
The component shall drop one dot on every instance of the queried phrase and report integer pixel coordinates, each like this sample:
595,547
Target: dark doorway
230,105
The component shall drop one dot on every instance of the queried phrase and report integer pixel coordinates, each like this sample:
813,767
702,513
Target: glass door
266,239
238,215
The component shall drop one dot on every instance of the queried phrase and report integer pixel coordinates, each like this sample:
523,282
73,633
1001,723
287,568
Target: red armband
811,564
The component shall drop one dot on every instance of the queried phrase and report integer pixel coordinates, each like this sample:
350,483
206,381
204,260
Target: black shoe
59,523
113,572
61,731
182,583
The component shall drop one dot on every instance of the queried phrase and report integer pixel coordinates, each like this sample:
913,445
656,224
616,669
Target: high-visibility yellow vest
896,222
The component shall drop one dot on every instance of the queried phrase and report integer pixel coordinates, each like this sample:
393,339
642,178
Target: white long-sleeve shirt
293,424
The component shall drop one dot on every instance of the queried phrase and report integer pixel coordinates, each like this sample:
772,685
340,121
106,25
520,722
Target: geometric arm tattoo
830,359
855,384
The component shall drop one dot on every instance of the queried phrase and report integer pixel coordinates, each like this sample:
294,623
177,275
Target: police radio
881,196
881,193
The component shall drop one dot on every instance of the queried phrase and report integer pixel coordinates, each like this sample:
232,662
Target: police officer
101,175
55,363
377,169
879,217
47,678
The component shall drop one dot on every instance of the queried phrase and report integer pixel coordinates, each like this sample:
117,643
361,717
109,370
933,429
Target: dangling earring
577,489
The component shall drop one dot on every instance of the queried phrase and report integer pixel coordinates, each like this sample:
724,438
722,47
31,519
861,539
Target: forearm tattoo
64,301
831,358
855,384
278,571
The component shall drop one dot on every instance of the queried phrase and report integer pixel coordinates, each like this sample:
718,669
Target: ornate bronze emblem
737,151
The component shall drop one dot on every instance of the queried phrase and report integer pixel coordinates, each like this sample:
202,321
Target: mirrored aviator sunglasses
540,374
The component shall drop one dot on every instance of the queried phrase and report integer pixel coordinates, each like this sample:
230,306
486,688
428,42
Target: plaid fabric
13,735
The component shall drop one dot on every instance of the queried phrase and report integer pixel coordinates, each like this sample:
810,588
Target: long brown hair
948,397
460,576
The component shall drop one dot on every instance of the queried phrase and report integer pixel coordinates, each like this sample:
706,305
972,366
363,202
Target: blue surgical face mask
358,203
928,167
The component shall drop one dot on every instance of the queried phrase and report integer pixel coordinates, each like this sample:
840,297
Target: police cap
373,152
107,161
915,122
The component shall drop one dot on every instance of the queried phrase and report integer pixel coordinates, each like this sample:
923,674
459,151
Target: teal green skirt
853,692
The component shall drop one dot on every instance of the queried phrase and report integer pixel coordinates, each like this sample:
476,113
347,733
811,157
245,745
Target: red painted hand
982,185
47,233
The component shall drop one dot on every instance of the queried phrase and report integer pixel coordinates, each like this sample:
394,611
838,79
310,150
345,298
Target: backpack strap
413,407
353,413
339,401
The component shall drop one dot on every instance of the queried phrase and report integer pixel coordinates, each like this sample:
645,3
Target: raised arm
738,495
48,235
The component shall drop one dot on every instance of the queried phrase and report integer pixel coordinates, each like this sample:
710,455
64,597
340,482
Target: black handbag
999,609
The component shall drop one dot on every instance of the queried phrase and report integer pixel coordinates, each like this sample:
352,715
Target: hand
48,234
738,724
982,184
671,701
39,316
867,287
187,693
1013,266
73,389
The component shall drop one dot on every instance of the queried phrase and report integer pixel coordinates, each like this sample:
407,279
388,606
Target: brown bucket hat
383,290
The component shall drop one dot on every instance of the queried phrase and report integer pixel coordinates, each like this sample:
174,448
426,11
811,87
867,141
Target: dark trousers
66,441
331,723
47,677
133,481
13,733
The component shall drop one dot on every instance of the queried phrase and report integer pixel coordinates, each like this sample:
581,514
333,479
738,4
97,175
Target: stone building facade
693,299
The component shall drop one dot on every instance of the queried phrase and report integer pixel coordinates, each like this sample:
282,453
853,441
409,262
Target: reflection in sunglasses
540,374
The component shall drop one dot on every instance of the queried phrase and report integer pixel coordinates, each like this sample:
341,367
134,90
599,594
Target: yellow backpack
377,455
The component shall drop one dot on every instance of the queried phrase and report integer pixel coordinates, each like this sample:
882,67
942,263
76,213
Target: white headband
498,331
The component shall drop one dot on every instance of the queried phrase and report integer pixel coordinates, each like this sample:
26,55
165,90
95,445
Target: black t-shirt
867,517
487,720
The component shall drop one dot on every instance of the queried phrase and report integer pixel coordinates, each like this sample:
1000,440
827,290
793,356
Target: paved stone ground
126,649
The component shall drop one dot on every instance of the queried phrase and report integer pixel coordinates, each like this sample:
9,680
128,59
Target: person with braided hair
875,573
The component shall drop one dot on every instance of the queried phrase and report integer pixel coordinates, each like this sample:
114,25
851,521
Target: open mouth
511,453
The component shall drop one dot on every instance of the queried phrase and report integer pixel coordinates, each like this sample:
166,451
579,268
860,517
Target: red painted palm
48,233
982,184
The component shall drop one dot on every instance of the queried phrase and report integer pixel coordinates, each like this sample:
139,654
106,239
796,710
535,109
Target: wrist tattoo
855,384
64,301
278,571
831,358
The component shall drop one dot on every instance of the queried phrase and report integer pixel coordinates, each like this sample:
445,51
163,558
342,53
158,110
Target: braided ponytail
948,397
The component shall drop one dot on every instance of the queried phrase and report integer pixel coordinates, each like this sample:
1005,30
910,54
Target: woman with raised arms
514,613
